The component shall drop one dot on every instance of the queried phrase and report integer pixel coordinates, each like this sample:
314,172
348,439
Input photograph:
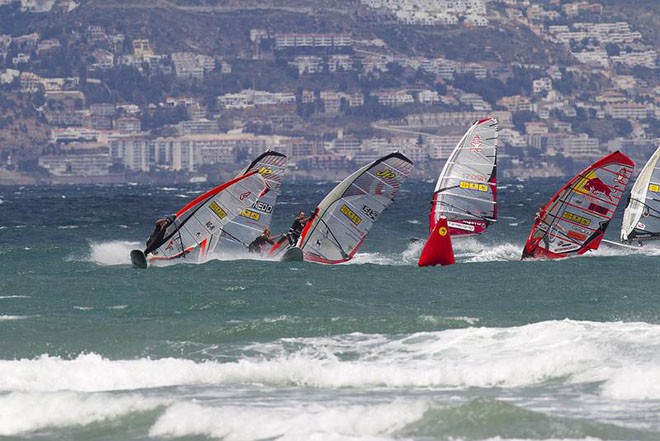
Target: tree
38,98
520,118
612,49
164,116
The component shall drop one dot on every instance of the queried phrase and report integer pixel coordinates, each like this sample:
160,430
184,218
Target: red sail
574,221
438,249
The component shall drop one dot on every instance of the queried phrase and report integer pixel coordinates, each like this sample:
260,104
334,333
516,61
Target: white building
77,165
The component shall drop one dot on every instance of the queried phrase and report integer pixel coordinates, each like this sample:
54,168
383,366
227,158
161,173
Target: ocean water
238,348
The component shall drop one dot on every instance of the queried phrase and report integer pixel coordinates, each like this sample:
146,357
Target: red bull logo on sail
597,186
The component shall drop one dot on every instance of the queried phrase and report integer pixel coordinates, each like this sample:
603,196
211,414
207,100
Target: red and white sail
197,227
576,217
466,191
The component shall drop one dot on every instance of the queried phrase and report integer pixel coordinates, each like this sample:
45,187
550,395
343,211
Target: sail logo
442,231
370,212
473,186
217,209
577,236
474,177
263,171
460,226
655,188
596,186
242,196
476,144
386,174
262,206
350,215
598,209
575,218
250,214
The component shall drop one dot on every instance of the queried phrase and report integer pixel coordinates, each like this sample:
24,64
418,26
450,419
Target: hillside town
86,101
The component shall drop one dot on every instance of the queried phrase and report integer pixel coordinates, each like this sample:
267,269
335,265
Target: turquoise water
242,349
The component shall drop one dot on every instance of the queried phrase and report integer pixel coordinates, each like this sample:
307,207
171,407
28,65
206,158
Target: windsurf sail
466,191
575,219
197,227
343,218
438,249
252,220
641,220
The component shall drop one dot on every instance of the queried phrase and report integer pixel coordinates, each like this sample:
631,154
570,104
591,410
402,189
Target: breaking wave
622,357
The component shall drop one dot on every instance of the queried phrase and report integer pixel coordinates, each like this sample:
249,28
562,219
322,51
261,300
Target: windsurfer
296,228
156,238
258,244
540,214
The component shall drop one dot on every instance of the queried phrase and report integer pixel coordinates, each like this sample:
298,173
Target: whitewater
245,348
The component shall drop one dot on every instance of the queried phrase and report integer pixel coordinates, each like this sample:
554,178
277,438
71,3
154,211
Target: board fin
138,259
438,249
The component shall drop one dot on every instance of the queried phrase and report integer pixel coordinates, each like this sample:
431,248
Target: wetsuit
295,231
156,238
257,244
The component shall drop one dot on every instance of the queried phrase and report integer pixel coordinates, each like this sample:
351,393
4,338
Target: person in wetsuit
296,228
156,238
258,244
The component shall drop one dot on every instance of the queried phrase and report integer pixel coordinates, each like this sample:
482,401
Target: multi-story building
290,41
190,65
142,48
440,147
103,109
393,97
198,127
135,153
88,164
628,110
580,146
186,153
128,124
516,103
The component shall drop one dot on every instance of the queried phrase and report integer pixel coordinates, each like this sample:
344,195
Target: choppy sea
236,348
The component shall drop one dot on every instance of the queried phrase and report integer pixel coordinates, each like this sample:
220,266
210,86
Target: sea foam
112,253
568,351
293,422
28,412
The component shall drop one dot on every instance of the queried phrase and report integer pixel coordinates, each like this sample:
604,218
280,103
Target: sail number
473,186
262,206
575,218
350,214
217,209
370,212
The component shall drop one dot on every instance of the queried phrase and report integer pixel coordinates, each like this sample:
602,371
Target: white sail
641,220
466,191
252,220
344,217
